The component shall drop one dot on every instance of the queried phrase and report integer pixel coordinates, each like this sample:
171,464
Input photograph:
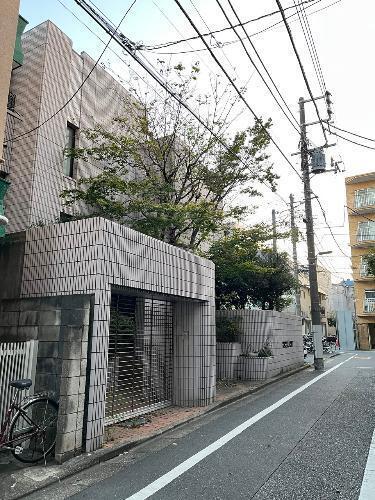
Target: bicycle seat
23,383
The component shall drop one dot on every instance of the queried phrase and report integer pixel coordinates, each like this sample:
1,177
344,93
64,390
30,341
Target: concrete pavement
312,446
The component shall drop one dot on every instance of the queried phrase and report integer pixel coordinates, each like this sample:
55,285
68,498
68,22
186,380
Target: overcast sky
344,37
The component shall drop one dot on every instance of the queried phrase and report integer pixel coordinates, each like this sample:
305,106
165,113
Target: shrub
227,329
265,351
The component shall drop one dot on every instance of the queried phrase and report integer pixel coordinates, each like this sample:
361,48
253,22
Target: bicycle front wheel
33,430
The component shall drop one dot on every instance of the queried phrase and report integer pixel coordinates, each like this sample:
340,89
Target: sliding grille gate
139,357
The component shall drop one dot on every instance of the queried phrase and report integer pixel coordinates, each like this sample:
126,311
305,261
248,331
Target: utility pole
274,246
317,330
294,238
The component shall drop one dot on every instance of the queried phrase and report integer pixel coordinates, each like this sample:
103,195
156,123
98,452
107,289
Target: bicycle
29,428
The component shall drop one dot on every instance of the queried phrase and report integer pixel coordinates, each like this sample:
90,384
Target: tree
250,274
165,174
370,263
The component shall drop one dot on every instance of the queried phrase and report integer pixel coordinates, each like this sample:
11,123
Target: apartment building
360,196
125,322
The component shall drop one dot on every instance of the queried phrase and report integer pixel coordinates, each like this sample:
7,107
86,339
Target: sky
344,35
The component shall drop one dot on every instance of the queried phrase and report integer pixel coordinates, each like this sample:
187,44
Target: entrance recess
140,356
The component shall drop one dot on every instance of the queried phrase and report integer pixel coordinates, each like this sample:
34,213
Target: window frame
68,168
369,236
363,196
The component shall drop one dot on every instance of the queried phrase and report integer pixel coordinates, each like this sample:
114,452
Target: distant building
324,286
360,196
341,313
341,297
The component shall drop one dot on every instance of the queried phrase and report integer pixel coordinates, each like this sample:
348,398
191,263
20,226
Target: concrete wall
279,328
12,250
61,325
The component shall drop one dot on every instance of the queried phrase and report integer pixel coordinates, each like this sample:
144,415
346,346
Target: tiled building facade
360,200
51,74
169,327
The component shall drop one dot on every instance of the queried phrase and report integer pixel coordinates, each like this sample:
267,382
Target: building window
364,197
70,144
369,304
366,231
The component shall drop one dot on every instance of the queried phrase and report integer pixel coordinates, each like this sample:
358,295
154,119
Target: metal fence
17,360
139,376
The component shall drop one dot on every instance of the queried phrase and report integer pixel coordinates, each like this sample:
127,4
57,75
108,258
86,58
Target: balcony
369,305
365,234
364,199
363,270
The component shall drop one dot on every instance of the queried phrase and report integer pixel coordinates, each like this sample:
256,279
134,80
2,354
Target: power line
176,29
213,36
262,63
224,44
310,44
236,88
351,133
214,32
359,213
152,72
80,86
330,229
301,66
350,140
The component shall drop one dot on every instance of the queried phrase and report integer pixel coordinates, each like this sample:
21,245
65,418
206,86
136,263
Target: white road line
177,471
368,483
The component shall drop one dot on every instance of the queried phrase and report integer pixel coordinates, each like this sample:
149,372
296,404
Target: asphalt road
304,437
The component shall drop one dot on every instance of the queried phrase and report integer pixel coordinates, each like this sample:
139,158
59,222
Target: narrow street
306,437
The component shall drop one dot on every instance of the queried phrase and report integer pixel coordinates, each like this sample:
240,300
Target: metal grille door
140,357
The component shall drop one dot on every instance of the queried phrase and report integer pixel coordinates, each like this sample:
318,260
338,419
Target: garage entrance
140,356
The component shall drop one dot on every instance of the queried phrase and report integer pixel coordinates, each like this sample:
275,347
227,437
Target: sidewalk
18,480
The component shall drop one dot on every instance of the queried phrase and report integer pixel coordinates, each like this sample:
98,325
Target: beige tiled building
360,196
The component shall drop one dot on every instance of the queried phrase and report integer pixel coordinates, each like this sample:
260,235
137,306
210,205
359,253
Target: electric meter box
318,161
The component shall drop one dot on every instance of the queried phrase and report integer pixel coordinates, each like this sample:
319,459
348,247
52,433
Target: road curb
87,460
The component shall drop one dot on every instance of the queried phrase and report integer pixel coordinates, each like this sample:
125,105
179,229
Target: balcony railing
11,101
363,270
369,305
366,236
364,199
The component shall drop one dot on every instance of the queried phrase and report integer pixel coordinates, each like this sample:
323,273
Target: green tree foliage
370,263
250,274
167,176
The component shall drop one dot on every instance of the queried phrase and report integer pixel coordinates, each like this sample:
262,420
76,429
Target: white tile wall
92,255
51,74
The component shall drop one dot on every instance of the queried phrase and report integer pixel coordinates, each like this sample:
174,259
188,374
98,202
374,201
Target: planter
253,368
227,354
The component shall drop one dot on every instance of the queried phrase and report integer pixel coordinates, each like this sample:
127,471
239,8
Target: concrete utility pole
317,330
274,246
294,238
